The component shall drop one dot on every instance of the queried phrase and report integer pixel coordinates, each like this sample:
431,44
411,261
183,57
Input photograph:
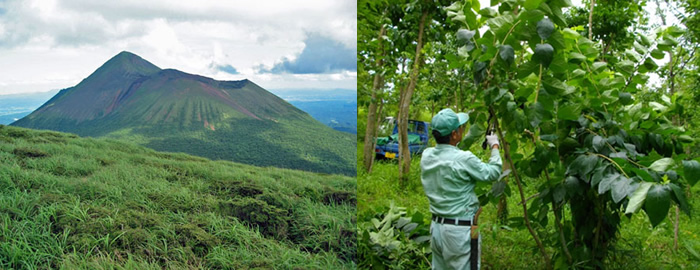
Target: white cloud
66,40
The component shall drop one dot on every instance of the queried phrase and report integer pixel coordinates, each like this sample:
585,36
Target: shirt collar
445,146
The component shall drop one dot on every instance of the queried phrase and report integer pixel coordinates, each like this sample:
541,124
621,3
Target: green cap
446,121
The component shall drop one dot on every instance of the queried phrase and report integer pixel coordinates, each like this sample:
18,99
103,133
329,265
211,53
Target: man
449,175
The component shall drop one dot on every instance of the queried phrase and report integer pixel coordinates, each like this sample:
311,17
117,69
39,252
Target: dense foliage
83,203
572,117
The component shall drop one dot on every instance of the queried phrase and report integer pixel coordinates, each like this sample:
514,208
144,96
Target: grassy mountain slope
169,110
70,202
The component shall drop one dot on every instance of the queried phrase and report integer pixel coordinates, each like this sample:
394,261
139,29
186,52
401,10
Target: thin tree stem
506,152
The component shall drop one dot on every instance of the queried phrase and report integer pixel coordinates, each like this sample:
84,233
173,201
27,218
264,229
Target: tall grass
83,203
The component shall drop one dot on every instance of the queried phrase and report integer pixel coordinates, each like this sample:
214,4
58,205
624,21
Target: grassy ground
640,246
83,203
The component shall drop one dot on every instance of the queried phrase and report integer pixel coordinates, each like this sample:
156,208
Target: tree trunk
370,140
502,212
404,154
376,131
675,228
590,21
676,121
459,96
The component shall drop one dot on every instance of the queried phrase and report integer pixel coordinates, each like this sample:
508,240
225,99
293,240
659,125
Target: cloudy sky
54,44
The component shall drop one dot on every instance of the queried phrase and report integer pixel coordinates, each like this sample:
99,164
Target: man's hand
492,140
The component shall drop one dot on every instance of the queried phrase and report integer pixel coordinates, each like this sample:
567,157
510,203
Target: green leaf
410,227
650,64
657,54
488,12
559,193
545,27
667,44
578,73
638,197
570,111
643,173
679,197
543,54
422,239
497,188
403,221
675,31
527,68
558,16
691,250
576,58
691,170
639,48
553,86
625,98
557,41
543,154
531,16
572,185
501,24
583,164
686,139
532,4
487,54
476,5
657,106
622,154
454,7
507,54
620,189
464,36
458,17
657,203
599,65
563,3
607,182
476,133
625,67
645,40
668,41
534,114
661,165
479,72
598,143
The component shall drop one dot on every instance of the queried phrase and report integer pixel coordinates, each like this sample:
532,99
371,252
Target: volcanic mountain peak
124,64
167,109
133,63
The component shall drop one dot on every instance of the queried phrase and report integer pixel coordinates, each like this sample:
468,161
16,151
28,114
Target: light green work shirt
449,175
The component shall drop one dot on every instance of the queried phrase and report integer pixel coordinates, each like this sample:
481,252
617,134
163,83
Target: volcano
129,98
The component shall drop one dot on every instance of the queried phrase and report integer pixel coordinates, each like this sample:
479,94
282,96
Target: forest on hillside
594,103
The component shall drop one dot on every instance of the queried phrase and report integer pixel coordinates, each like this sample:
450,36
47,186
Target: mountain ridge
130,98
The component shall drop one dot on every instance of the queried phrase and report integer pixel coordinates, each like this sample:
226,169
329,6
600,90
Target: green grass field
639,247
84,203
